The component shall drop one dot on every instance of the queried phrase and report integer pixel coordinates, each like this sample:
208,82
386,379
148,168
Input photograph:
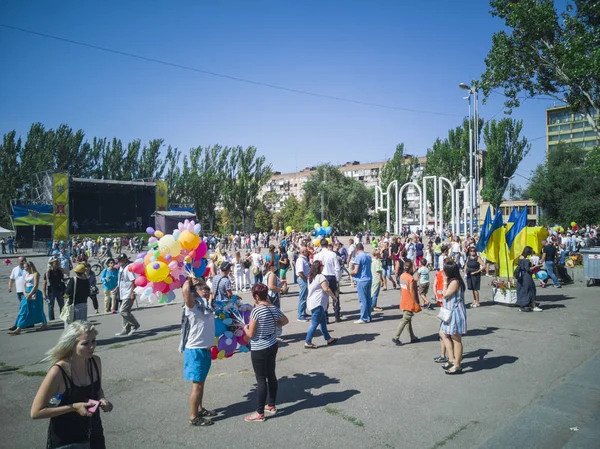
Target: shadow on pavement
478,354
552,306
485,331
552,298
138,335
489,363
298,389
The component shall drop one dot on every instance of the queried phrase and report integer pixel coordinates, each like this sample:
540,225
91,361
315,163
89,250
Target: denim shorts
196,364
387,271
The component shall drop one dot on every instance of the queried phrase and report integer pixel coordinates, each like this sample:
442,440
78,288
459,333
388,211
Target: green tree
270,199
505,151
150,164
544,52
566,188
398,168
347,200
292,213
10,183
262,217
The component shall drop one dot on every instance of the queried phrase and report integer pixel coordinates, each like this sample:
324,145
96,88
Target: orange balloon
188,240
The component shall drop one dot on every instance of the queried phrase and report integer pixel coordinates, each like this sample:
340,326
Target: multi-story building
564,125
506,208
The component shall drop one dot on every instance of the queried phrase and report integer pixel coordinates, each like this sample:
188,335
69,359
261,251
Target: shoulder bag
67,314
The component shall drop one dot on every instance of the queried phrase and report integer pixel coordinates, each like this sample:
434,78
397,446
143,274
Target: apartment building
564,125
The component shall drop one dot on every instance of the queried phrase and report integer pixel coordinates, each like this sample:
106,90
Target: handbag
67,314
444,314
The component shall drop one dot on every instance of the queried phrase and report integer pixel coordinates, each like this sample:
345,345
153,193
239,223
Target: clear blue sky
409,54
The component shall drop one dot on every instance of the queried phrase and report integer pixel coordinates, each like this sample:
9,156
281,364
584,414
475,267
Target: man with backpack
222,284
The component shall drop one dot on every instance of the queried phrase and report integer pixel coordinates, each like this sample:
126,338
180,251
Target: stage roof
114,182
173,213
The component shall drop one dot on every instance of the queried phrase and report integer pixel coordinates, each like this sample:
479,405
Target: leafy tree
262,217
505,151
566,188
292,213
544,52
10,183
270,199
347,200
398,168
150,165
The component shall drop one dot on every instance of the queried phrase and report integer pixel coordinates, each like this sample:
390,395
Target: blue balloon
328,230
541,275
318,230
220,327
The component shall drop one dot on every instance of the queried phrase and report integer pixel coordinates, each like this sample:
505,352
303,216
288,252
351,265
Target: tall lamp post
473,193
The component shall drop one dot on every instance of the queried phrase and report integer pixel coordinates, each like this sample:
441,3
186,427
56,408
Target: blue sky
407,54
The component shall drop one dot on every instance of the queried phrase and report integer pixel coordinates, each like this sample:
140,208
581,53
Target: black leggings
263,362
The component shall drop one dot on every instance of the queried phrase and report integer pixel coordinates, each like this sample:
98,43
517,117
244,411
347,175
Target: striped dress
458,320
266,330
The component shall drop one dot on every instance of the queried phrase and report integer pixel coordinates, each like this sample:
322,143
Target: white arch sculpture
450,187
379,206
400,204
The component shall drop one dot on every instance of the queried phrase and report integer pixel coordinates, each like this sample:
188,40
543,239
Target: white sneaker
537,309
133,331
122,333
360,322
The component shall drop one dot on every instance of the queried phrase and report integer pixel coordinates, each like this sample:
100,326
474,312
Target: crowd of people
414,263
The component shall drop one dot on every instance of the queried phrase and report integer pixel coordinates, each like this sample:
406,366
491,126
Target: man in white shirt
302,270
126,296
351,256
257,263
197,337
17,279
332,272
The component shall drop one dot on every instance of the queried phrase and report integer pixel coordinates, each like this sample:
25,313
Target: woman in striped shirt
262,330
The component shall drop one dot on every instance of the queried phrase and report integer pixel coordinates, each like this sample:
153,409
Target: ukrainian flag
516,236
496,239
484,234
512,219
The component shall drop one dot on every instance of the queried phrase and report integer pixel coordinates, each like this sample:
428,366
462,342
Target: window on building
579,125
590,134
533,210
556,138
590,143
565,127
578,135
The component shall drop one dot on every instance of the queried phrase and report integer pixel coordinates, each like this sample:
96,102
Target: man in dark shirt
548,259
221,284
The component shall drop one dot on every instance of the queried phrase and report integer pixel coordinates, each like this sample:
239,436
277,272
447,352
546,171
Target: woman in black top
473,268
387,263
526,292
78,291
73,381
54,288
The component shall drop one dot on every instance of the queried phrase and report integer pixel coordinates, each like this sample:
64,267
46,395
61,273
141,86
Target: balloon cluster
230,318
558,228
288,229
170,259
322,230
574,226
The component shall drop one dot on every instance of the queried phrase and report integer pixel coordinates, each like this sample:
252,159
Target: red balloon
137,268
214,352
230,355
141,281
207,272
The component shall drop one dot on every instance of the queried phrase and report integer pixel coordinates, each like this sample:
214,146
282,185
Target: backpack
518,273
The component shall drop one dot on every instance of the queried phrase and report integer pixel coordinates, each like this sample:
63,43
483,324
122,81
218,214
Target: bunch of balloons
288,229
230,318
322,230
169,260
558,228
574,226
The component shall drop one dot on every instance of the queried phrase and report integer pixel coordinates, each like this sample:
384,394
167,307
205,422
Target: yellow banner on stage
60,200
161,195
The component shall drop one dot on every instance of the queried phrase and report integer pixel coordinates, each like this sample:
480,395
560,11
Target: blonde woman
32,304
73,387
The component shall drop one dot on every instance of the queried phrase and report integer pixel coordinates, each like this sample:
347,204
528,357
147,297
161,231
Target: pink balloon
197,263
173,265
141,281
201,250
192,254
159,286
176,284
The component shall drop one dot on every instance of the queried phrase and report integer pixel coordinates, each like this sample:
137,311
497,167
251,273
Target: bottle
55,400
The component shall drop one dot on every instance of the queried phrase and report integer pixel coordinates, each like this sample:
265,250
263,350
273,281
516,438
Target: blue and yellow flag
484,234
496,239
516,237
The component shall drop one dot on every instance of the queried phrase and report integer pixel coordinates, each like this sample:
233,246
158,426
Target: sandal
457,370
270,409
447,365
440,359
207,413
332,341
199,421
310,346
377,309
255,417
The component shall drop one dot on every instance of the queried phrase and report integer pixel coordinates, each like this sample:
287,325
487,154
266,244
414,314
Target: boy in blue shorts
197,337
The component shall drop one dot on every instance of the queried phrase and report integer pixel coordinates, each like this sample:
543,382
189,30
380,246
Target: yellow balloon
329,239
189,240
316,225
221,354
317,242
158,234
157,271
573,224
325,223
168,245
288,229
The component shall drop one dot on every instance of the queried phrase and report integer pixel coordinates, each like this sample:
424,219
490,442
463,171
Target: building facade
564,125
506,208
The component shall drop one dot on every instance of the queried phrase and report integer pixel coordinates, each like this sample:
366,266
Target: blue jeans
364,296
550,269
302,298
258,278
375,296
319,318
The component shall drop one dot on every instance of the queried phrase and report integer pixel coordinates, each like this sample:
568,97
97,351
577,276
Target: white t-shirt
351,253
316,295
455,247
202,326
257,260
126,279
18,275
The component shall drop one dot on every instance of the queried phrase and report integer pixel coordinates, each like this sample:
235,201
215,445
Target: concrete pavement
529,378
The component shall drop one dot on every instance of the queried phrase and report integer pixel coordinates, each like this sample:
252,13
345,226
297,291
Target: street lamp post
473,188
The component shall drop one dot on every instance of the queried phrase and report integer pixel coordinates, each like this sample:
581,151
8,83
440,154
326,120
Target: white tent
5,232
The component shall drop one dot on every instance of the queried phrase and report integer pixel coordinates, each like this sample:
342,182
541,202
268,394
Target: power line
222,75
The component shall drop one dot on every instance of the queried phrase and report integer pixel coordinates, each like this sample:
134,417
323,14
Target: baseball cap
225,266
122,256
